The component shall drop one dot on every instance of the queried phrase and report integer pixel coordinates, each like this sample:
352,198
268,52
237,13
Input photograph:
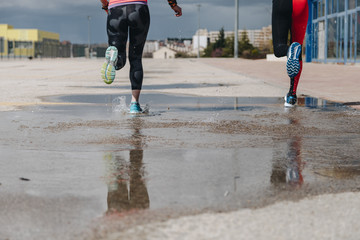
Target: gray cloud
69,18
226,3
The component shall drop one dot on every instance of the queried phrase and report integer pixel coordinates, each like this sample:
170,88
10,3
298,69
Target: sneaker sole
135,112
108,68
111,54
293,63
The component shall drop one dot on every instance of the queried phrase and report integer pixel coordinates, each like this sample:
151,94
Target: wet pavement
67,166
74,166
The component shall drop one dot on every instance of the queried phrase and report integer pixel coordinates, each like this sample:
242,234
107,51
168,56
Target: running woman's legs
132,20
139,22
300,14
289,16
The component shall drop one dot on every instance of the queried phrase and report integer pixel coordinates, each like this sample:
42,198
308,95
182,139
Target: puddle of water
166,86
164,102
197,153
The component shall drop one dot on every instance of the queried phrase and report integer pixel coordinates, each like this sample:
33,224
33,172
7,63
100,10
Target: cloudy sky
69,17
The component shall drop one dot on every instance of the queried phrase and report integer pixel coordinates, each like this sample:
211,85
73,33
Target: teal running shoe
293,62
290,100
135,107
108,68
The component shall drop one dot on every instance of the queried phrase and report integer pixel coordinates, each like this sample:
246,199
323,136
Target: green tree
208,50
220,42
224,47
215,49
244,43
228,50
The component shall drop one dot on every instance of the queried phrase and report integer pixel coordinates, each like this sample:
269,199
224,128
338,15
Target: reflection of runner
290,16
126,184
287,167
128,18
294,168
126,188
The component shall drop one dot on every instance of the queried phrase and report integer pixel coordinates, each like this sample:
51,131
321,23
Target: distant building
164,53
257,37
65,48
151,46
97,50
333,31
179,44
200,38
28,42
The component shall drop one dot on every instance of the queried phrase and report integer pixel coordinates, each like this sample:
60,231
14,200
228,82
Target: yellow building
27,42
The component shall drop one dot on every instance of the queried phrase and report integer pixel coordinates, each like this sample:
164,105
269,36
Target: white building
200,37
151,46
164,53
179,47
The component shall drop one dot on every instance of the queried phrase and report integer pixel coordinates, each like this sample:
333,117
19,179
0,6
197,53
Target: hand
105,5
104,2
177,10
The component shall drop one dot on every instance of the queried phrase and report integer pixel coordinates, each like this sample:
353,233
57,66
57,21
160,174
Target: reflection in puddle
126,182
310,102
340,172
287,167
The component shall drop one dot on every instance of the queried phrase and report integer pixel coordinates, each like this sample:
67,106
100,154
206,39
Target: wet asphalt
67,166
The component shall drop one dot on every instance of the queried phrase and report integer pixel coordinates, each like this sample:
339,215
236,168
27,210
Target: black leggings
281,25
132,20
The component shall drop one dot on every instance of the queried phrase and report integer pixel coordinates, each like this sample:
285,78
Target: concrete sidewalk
24,82
339,83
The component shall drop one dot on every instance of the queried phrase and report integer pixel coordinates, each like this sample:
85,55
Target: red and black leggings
289,16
